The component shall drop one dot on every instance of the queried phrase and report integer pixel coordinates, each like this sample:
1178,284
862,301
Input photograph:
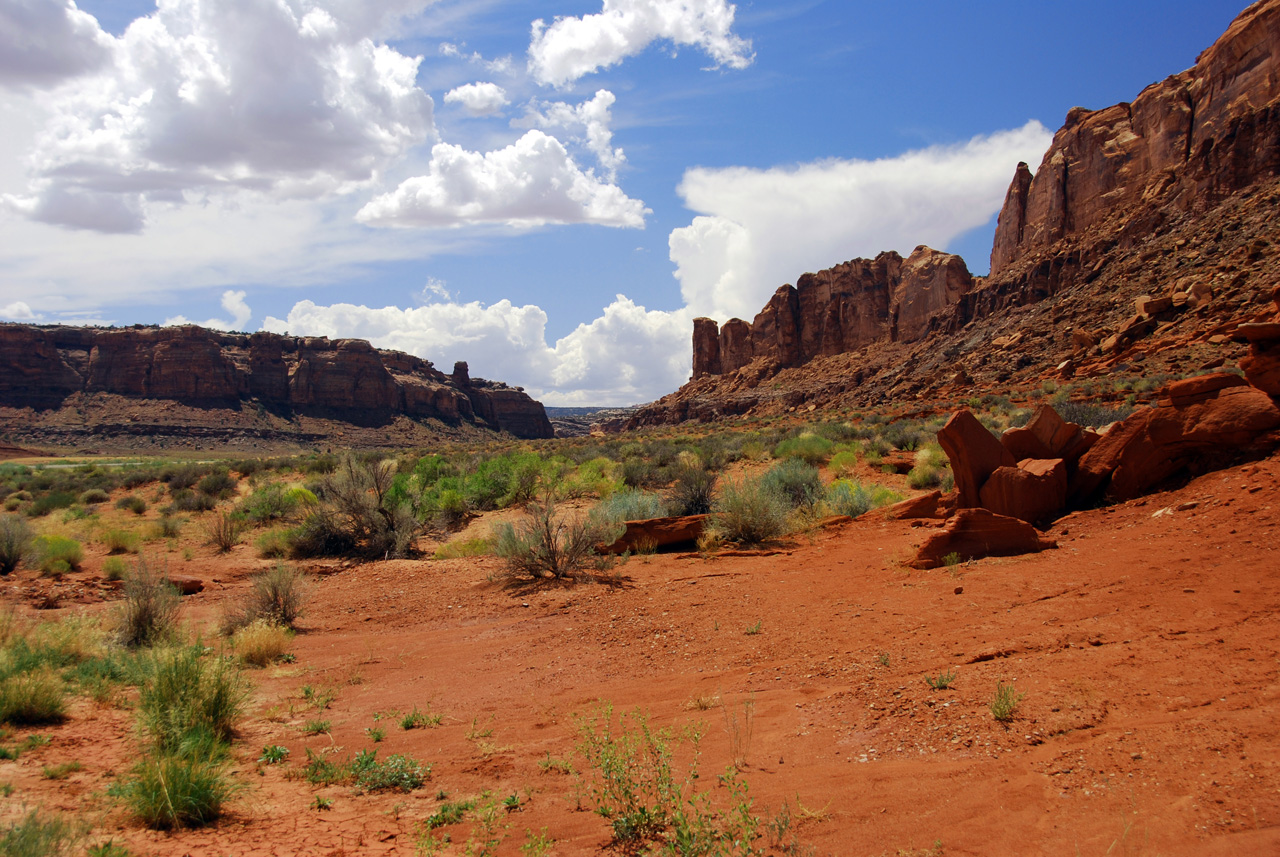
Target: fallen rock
1023,443
656,533
1034,491
901,461
974,454
978,533
924,506
185,584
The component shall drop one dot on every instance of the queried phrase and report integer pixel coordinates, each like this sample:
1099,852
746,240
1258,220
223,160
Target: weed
33,696
422,719
132,503
560,766
168,790
36,835
883,659
57,554
546,545
376,734
322,803
278,597
476,732
536,844
273,754
108,849
952,559
320,698
1005,703
703,703
749,514
261,643
316,727
448,813
61,771
114,568
223,531
740,729
941,681
396,772
752,630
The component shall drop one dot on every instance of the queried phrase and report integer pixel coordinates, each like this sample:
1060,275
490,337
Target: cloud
44,42
478,99
571,48
18,311
204,98
232,302
501,65
626,356
761,228
530,183
592,117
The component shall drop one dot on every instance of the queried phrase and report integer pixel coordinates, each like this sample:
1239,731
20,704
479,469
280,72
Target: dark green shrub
799,484
132,503
16,541
94,496
268,503
809,448
187,500
692,493
219,484
356,513
47,503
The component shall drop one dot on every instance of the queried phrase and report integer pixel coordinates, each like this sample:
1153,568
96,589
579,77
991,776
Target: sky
550,190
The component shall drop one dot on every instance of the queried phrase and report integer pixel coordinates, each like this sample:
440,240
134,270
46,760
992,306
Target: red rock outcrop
657,533
1035,491
978,533
974,453
345,378
837,310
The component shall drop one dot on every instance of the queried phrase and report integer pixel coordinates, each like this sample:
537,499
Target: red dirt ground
1147,646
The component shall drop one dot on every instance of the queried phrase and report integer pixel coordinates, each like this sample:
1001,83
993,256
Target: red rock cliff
345,378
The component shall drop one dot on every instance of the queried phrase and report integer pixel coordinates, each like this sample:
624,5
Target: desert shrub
903,435
149,611
32,696
545,545
57,554
273,544
114,568
46,503
168,526
594,476
638,473
187,500
809,448
132,503
120,541
16,542
852,498
693,491
94,496
219,484
271,502
1091,414
190,700
169,790
844,463
798,483
37,835
261,642
278,596
223,531
396,772
630,505
356,513
750,513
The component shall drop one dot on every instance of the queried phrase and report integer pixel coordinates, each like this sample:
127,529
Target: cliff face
40,367
837,310
1144,242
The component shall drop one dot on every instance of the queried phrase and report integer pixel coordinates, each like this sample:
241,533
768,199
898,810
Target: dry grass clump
223,531
149,612
261,642
15,542
547,545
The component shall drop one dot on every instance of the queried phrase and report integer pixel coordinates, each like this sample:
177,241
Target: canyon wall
40,367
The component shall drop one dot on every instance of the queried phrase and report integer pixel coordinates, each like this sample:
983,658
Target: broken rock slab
978,533
656,533
975,454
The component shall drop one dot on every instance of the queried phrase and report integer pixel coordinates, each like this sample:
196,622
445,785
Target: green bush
844,463
796,482
749,513
277,596
16,542
94,496
269,503
57,554
120,541
357,512
852,498
186,500
629,504
114,568
31,697
47,503
544,544
219,484
190,701
273,544
809,448
132,503
36,835
693,491
396,772
171,790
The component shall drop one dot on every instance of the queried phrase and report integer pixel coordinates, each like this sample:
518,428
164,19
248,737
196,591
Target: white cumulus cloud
761,228
233,302
214,96
18,311
44,42
590,118
530,183
570,48
478,99
626,356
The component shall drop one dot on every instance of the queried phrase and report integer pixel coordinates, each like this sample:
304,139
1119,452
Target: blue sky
553,204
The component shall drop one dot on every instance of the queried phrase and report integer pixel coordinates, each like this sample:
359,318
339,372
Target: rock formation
344,379
837,310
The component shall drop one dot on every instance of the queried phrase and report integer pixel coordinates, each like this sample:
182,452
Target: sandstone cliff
346,380
1142,244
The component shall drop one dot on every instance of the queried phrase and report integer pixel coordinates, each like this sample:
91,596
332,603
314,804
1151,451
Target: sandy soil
1146,646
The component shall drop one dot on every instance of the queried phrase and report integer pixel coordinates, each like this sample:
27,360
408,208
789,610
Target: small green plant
120,541
1005,703
319,697
38,835
316,727
559,766
448,813
752,630
57,554
421,719
61,771
114,568
376,734
322,803
952,559
395,772
883,659
132,503
941,681
273,754
110,848
536,844
168,790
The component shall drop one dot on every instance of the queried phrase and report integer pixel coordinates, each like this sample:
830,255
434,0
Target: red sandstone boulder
924,506
658,533
974,454
978,533
1195,418
1262,366
1023,443
1034,491
185,584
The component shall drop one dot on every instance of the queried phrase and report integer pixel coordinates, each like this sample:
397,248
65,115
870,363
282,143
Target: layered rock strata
345,379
